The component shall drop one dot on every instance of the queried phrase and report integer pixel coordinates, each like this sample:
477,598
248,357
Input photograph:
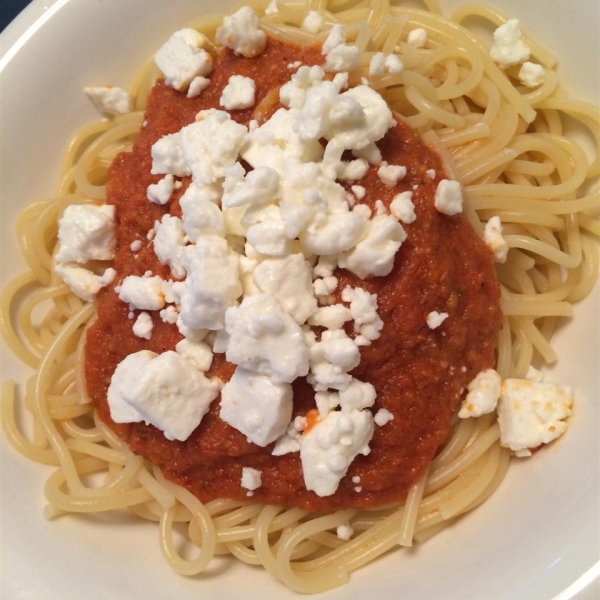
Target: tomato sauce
419,373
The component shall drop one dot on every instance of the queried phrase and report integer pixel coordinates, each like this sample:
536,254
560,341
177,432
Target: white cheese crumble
532,75
377,64
144,293
345,531
210,146
359,191
183,58
435,319
254,405
197,86
197,353
492,235
143,326
483,394
86,232
212,284
241,33
508,47
331,359
160,193
382,417
238,93
394,64
390,175
448,197
330,446
266,339
171,394
339,56
251,478
110,100
135,246
83,283
169,244
402,207
167,157
331,317
531,414
417,37
313,22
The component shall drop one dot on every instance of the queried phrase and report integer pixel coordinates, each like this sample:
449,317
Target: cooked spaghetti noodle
502,141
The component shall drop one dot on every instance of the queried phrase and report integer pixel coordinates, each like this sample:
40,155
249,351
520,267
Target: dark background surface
9,9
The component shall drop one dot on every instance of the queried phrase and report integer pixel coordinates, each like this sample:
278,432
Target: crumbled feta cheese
258,187
492,235
482,396
160,193
374,255
201,215
359,191
532,413
171,394
342,58
167,157
435,319
417,37
402,207
335,38
197,86
254,405
143,326
331,317
382,417
182,58
394,64
289,280
363,308
390,175
345,531
144,293
169,315
276,140
377,64
238,93
86,232
313,22
123,380
110,100
198,353
266,339
169,244
330,446
241,33
325,286
331,359
135,246
508,47
211,146
448,197
294,65
83,283
212,284
269,237
339,232
430,173
532,75
358,395
251,478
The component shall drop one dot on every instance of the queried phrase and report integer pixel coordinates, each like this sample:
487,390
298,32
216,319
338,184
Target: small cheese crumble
382,417
508,47
143,326
251,478
532,75
110,100
241,33
402,207
417,37
492,235
136,246
435,319
448,197
197,86
483,394
238,93
313,22
390,175
160,193
345,531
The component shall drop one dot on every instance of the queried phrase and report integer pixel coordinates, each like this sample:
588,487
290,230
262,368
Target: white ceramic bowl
537,538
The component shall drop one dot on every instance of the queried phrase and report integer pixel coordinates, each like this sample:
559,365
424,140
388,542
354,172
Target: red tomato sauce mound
419,373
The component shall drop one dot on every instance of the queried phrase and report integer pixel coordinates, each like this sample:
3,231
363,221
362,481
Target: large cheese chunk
254,405
330,446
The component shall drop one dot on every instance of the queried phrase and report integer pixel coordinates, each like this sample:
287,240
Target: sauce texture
419,373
